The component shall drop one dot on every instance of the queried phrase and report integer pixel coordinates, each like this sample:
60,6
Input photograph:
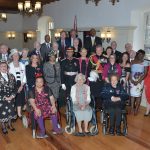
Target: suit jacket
62,53
44,51
88,44
8,59
118,56
80,42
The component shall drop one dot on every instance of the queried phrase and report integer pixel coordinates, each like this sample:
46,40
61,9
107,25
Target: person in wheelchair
80,95
114,97
43,104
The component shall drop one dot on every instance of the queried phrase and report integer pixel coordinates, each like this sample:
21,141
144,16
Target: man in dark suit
4,53
63,43
92,41
116,52
45,48
73,35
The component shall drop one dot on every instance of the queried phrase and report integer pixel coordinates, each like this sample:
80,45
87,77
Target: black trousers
115,117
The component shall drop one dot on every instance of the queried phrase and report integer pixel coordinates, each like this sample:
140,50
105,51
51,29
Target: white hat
13,51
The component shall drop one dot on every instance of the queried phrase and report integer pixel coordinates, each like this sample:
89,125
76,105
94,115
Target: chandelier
3,17
28,8
97,1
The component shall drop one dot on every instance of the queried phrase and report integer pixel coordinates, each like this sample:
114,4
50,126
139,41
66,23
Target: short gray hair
55,43
80,75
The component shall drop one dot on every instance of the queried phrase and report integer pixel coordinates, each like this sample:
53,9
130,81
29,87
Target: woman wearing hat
7,95
18,70
51,71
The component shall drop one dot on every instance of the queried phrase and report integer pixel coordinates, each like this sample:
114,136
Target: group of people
39,76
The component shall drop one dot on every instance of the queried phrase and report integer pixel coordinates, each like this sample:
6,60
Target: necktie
48,46
93,40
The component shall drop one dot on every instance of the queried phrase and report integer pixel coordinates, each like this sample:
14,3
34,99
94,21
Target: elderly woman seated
43,104
80,94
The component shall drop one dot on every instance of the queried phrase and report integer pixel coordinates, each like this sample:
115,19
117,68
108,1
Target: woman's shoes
20,117
41,136
146,114
11,128
79,134
88,133
4,130
57,131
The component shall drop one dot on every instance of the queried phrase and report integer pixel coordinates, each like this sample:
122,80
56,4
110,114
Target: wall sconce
29,36
11,36
106,36
3,17
57,36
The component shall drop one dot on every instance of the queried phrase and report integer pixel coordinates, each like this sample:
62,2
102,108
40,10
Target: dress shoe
146,114
79,134
88,133
111,131
11,128
118,131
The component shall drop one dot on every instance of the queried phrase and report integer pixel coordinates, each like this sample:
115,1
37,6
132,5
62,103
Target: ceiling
10,6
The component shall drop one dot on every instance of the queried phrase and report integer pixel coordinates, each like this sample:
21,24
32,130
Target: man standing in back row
92,41
45,48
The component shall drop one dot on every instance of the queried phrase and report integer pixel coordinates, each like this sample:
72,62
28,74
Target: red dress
147,85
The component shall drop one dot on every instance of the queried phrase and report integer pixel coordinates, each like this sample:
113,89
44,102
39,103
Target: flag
75,24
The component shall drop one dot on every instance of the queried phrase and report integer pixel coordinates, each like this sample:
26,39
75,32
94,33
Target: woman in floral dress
138,73
8,90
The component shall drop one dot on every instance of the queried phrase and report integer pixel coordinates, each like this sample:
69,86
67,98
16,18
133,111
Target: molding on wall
98,29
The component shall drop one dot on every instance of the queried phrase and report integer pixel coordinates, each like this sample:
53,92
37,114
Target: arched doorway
45,26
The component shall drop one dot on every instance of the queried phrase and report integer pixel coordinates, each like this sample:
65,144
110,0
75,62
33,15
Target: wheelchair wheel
94,130
68,115
69,130
101,117
25,121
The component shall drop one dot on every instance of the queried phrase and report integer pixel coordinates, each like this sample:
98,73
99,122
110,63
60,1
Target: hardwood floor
138,138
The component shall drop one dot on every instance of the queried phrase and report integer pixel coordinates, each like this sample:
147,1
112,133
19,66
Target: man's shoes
118,131
111,131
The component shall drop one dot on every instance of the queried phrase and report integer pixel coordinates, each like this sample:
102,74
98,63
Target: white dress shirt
93,40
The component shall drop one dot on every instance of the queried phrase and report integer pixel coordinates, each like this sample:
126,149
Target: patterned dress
7,88
123,81
42,101
137,70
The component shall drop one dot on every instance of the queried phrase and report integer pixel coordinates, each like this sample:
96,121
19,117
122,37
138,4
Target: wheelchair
105,121
71,121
